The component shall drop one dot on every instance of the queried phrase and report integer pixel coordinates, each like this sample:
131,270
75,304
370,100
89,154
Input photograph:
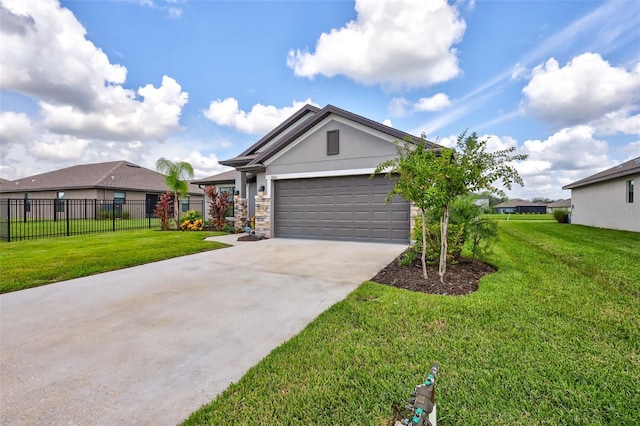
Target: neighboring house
4,183
559,205
518,205
117,181
224,182
608,199
310,177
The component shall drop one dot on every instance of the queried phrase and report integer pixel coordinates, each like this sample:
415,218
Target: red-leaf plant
218,205
164,210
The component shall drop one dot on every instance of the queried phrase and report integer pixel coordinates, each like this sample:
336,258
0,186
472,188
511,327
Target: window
630,187
27,203
119,198
333,142
184,201
229,190
60,202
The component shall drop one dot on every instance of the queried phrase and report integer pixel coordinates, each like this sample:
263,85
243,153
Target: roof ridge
106,175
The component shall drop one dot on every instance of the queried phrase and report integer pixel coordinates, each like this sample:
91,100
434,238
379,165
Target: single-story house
310,177
518,205
118,182
559,205
608,199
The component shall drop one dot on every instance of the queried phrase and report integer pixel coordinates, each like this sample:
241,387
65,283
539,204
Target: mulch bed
461,277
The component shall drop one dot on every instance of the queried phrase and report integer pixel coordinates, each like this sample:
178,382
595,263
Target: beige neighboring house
114,181
608,199
559,205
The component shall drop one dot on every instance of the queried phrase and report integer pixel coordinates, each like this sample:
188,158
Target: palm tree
176,176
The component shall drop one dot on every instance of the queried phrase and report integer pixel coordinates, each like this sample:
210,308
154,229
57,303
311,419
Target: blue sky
91,81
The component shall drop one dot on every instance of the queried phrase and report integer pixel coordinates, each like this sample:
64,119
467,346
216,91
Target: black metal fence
25,219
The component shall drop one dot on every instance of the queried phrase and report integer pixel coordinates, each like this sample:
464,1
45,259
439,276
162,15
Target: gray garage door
348,208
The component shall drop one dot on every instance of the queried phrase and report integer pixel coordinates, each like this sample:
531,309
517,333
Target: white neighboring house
608,199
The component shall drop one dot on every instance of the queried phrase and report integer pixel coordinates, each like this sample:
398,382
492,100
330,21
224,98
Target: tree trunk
444,243
424,244
176,208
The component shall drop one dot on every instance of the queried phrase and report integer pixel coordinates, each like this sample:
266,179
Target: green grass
31,229
33,263
520,217
552,338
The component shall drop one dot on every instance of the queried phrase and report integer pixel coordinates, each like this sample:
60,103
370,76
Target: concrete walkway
149,345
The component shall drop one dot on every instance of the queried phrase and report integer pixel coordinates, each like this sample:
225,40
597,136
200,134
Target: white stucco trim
318,174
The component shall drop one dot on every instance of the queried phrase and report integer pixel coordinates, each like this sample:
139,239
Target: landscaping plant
561,215
176,176
191,221
218,206
433,178
164,210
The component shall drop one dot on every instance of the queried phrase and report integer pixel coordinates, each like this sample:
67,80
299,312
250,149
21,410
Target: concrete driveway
151,344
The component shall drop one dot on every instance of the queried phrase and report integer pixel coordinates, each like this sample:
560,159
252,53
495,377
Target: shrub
191,216
217,206
228,228
561,215
455,239
195,225
164,210
481,232
408,257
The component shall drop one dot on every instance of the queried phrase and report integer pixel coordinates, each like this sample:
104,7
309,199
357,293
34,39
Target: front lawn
520,216
552,338
37,262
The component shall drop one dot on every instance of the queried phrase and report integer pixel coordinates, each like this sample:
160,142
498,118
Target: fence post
66,209
9,220
113,215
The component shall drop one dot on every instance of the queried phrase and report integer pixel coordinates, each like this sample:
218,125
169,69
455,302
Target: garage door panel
340,208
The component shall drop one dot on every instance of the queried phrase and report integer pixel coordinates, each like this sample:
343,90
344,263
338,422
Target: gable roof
112,175
294,127
224,177
630,167
560,203
518,202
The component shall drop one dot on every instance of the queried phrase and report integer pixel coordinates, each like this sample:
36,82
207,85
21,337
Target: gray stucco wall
359,149
604,205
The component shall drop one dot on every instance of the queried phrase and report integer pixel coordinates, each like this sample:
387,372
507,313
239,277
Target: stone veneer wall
263,215
240,212
414,213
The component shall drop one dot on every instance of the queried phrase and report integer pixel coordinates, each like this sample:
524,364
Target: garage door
348,208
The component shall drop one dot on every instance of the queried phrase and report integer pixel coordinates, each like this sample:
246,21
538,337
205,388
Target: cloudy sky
92,81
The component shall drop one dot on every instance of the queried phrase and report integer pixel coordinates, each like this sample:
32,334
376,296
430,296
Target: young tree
176,175
433,178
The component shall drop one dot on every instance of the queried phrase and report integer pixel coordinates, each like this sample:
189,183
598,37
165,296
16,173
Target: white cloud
621,121
45,55
632,148
587,88
122,116
60,148
569,149
519,72
434,103
400,44
14,128
261,118
398,107
387,122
